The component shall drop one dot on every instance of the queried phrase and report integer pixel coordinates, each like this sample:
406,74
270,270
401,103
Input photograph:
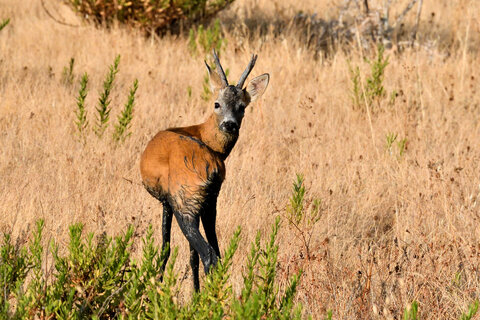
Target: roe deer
184,167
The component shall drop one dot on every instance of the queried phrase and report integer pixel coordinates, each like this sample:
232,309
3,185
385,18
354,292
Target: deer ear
256,87
215,81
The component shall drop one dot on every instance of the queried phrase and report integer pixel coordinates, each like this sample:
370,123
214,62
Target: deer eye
217,105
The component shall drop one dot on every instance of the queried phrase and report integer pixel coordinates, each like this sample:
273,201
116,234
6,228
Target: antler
220,71
247,71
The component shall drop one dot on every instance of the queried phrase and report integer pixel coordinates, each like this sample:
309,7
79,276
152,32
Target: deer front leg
209,218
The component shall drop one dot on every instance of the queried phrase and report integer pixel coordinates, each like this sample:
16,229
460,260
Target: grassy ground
393,228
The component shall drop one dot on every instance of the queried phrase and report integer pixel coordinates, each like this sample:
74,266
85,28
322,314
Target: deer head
229,107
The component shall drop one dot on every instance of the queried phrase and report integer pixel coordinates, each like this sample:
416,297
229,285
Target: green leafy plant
393,97
303,214
357,95
391,138
96,278
4,23
329,315
206,91
103,109
203,40
259,297
401,145
81,113
372,89
374,83
472,311
411,311
125,118
15,263
29,264
217,293
67,73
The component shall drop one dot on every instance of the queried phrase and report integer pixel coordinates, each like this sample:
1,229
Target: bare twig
464,54
386,15
107,300
417,20
344,9
404,13
365,3
306,243
132,182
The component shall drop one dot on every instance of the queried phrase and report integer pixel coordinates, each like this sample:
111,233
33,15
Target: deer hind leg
194,263
190,228
166,230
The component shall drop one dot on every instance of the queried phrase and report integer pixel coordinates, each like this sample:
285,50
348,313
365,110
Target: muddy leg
189,226
166,230
194,262
208,221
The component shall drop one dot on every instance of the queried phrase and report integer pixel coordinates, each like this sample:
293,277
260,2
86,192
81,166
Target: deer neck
216,139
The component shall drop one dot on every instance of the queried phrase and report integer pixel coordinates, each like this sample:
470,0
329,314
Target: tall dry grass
393,228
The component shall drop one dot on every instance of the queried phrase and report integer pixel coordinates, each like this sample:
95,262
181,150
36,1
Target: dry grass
393,229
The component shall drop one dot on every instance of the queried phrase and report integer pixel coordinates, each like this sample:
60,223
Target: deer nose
229,126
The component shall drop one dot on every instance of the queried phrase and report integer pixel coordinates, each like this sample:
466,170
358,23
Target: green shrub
81,113
96,278
123,126
372,89
204,40
67,73
374,83
391,138
472,311
303,214
411,313
103,109
155,16
15,263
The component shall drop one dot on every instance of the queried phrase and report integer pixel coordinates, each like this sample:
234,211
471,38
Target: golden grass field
393,228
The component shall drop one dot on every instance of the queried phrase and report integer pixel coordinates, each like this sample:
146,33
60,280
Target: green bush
103,109
472,311
96,278
411,312
391,138
124,119
303,213
364,94
80,113
126,116
154,16
203,40
67,73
